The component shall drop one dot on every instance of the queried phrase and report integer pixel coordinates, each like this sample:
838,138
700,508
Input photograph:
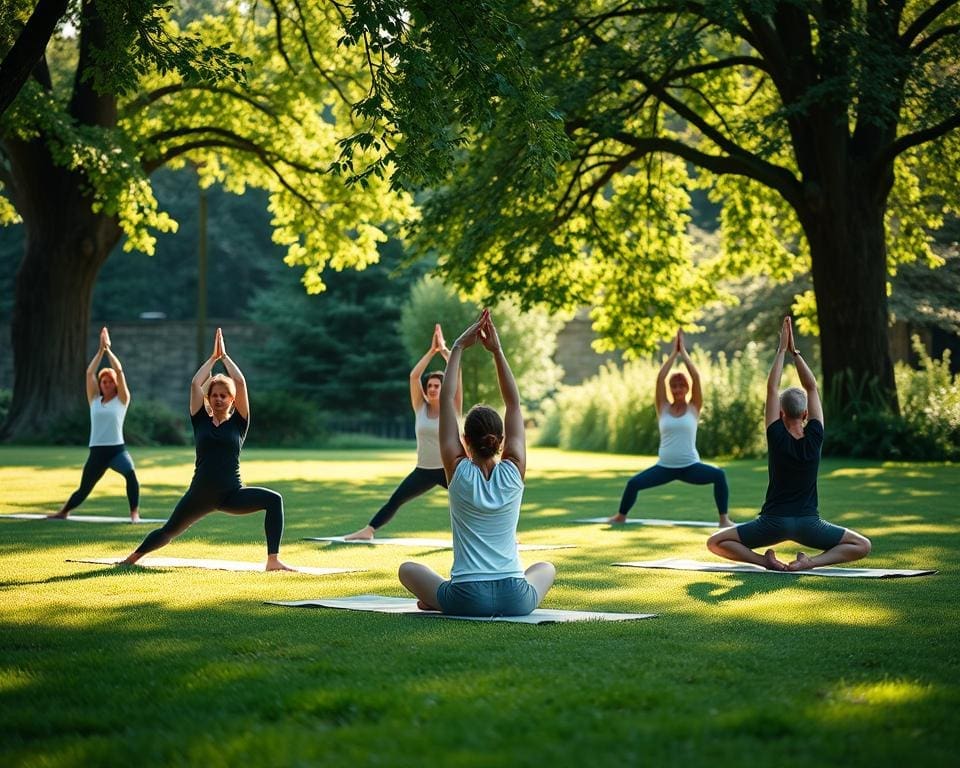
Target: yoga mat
651,521
843,572
433,543
210,565
82,518
408,605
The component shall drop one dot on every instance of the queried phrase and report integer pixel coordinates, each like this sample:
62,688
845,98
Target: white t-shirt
483,517
678,439
106,421
428,440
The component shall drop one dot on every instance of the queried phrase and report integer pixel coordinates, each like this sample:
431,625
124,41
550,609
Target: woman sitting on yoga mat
678,458
425,399
109,398
220,412
487,578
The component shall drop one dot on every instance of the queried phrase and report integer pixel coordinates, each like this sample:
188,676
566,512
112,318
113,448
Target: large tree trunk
849,261
66,245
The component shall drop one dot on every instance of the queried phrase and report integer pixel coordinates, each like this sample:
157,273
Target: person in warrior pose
794,420
220,412
487,578
677,457
425,399
109,399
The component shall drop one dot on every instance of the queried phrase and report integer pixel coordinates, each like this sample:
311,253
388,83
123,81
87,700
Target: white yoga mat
210,565
432,543
651,521
408,605
81,518
678,564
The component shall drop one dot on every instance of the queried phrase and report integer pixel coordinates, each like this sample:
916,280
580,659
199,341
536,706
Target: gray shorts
807,530
501,597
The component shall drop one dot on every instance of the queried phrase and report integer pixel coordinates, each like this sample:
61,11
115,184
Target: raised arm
416,386
772,409
202,374
451,449
808,381
696,391
514,433
123,391
93,385
242,402
445,354
660,397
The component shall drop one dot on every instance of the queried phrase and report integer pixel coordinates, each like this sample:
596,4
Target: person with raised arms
485,492
677,456
109,398
425,400
220,413
790,512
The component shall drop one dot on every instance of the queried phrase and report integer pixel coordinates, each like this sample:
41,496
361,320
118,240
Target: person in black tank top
220,413
790,512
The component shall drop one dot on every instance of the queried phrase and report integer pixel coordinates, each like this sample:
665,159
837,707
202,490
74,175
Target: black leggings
102,458
696,474
416,483
198,502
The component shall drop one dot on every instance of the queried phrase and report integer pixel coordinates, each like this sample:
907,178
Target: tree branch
924,20
154,96
28,49
930,40
908,140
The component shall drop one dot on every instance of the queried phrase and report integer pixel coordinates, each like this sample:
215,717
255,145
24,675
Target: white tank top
678,439
106,422
428,440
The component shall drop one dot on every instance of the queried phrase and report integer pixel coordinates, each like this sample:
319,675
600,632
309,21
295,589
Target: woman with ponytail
487,578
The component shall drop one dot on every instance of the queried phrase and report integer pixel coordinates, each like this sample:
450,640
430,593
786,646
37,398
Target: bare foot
617,519
134,515
802,563
725,521
61,515
274,564
364,534
771,563
424,607
131,559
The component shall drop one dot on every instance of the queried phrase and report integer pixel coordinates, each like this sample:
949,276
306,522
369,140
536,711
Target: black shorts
807,530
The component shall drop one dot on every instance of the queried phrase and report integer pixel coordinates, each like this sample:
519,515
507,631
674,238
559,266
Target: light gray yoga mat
82,518
678,564
210,565
432,543
408,605
651,521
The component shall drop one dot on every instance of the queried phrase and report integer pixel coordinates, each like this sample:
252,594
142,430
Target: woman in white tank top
425,399
109,397
677,457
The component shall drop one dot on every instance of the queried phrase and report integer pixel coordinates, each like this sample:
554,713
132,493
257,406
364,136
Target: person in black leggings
109,398
425,400
220,412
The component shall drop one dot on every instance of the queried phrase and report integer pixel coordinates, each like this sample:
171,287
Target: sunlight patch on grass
800,606
887,692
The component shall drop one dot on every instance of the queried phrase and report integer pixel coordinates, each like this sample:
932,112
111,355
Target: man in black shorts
790,511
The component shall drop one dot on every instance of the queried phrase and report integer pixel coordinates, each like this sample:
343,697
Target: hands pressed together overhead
786,337
484,331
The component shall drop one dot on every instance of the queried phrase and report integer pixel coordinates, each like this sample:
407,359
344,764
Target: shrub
5,397
281,419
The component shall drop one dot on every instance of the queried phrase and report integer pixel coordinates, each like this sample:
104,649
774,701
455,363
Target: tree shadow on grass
737,588
111,570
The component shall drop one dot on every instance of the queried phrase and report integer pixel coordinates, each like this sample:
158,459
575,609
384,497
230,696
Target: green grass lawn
103,666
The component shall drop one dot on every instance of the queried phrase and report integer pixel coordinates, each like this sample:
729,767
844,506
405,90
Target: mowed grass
109,666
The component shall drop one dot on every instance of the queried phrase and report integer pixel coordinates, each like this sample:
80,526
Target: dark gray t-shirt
792,467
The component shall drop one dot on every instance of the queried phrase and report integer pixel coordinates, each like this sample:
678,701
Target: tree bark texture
66,244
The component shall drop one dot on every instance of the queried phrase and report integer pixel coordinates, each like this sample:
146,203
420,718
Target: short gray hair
793,402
